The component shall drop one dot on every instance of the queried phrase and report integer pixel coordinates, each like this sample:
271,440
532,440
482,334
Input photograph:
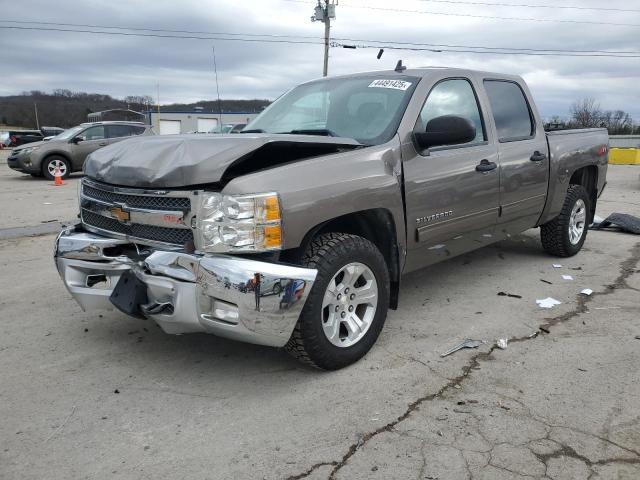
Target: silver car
65,153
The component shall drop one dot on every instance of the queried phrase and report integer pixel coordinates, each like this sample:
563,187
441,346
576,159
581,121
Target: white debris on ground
567,277
557,265
586,291
502,343
548,302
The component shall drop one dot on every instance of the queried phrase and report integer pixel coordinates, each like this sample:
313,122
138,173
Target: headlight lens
249,223
27,150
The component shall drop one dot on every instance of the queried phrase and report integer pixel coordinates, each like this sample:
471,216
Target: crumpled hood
170,161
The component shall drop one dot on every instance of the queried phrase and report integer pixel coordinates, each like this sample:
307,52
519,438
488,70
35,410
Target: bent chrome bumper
247,300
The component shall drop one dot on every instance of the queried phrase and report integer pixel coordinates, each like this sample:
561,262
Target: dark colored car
14,138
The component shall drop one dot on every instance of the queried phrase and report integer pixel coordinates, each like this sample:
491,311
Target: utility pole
35,107
324,12
215,70
158,104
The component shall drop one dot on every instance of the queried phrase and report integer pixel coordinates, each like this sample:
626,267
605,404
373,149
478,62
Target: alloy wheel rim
59,164
349,304
577,221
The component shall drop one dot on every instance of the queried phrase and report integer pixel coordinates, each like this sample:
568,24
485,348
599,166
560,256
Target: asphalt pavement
87,395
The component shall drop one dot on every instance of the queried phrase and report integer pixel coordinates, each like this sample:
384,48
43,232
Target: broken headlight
238,223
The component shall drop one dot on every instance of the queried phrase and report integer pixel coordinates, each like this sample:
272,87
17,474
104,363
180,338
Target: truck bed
571,150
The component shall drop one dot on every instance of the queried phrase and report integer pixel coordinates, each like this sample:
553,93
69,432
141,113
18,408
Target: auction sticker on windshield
395,84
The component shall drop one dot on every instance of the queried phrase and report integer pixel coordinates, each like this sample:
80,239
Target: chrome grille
175,236
138,201
143,216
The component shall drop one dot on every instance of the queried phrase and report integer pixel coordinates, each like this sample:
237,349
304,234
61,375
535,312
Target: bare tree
586,113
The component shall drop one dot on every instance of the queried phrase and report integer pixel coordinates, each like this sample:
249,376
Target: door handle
102,144
486,166
537,156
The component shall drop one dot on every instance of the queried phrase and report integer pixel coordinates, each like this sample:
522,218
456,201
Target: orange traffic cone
57,178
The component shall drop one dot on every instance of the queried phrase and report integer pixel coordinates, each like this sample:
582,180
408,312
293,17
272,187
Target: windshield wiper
255,130
313,131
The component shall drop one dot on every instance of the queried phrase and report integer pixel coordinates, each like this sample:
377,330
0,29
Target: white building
173,122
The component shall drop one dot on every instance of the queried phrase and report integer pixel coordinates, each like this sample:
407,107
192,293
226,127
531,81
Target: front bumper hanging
239,298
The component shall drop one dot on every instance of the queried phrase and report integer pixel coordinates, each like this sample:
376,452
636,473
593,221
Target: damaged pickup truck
296,233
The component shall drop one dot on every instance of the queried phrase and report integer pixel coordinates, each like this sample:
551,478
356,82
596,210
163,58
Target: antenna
215,69
399,67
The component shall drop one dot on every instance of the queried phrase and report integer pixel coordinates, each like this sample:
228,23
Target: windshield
69,133
367,109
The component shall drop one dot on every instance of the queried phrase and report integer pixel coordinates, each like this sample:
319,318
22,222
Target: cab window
453,97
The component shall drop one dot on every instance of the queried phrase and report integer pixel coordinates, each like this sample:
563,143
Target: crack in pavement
626,269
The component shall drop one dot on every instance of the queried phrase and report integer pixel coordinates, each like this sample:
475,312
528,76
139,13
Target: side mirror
77,140
446,130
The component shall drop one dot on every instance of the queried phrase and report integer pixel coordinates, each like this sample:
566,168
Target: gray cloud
131,65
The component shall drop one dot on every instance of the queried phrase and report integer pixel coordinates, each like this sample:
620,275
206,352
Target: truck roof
425,72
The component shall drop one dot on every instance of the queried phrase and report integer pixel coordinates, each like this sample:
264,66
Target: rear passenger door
523,154
451,192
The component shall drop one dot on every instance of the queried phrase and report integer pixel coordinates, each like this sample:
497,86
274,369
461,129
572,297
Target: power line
493,52
497,51
161,30
156,35
564,50
486,17
213,36
526,5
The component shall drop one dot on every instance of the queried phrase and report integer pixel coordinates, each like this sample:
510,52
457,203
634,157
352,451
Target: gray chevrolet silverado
296,233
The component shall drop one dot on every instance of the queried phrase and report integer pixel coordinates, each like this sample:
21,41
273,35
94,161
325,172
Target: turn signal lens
272,236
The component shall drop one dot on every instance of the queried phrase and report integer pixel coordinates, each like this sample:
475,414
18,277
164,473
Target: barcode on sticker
395,84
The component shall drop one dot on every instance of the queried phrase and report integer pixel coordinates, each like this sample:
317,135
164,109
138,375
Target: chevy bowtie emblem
119,214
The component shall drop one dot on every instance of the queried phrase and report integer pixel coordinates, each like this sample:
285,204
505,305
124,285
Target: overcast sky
128,65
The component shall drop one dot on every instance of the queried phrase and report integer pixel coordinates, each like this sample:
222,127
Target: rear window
510,110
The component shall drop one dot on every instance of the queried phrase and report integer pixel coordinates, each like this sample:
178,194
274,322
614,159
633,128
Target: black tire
555,233
277,289
49,161
329,253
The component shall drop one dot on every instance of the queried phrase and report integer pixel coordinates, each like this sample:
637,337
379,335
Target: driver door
451,200
93,138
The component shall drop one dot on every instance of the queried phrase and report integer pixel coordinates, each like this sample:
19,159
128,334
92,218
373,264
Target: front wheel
564,235
56,165
347,306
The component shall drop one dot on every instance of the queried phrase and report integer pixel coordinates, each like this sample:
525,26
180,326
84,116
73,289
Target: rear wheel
347,305
564,235
56,163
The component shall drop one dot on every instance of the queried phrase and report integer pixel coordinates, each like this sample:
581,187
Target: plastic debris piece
533,335
467,343
47,203
548,302
586,291
597,220
546,281
502,343
622,222
511,295
557,265
567,277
